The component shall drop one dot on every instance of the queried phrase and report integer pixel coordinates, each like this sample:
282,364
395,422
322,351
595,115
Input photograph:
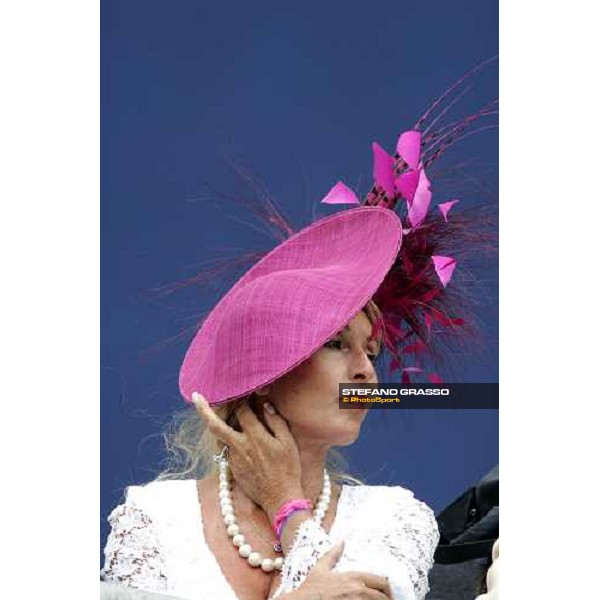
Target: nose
361,368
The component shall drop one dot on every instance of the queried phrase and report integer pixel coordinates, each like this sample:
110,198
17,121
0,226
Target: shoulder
157,498
392,496
160,490
393,505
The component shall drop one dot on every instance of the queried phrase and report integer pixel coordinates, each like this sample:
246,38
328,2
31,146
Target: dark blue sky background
297,95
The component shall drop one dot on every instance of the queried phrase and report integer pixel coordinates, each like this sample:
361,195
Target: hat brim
290,303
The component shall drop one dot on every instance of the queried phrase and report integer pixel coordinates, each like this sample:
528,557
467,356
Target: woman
277,437
273,519
285,458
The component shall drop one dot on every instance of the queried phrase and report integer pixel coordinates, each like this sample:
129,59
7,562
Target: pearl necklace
255,559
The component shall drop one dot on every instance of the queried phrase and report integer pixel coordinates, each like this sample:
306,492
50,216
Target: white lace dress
157,542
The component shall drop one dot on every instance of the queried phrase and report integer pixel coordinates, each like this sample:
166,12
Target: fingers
276,422
216,426
273,422
377,595
330,558
249,421
375,582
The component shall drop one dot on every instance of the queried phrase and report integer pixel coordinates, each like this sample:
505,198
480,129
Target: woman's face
307,397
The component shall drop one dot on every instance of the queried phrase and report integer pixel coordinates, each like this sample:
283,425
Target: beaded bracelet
285,512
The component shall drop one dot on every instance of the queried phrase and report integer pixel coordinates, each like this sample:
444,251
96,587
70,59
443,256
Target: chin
345,437
347,442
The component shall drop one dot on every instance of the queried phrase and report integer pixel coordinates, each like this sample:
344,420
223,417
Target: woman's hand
323,584
492,576
265,465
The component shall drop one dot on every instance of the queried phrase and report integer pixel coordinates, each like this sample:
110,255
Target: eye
337,344
374,357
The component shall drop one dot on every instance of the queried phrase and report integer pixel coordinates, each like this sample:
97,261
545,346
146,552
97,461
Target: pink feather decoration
417,211
407,184
444,267
445,207
383,169
340,194
409,148
415,348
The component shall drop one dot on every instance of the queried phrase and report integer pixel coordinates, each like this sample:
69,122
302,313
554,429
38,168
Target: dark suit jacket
468,529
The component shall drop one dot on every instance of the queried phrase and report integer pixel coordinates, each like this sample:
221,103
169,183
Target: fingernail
269,408
198,399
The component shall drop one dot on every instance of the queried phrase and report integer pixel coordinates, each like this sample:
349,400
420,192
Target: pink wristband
286,510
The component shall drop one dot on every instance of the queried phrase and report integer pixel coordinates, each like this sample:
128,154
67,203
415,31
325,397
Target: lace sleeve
132,553
410,538
310,543
387,532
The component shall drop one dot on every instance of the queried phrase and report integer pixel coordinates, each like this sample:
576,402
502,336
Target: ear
263,391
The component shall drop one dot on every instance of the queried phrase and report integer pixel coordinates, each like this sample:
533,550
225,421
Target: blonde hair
190,447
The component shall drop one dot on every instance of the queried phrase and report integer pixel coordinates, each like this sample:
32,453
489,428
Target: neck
312,460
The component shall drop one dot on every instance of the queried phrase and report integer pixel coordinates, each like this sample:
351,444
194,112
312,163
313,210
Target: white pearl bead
255,559
267,565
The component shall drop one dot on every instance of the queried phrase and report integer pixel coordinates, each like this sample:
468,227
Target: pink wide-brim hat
290,303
